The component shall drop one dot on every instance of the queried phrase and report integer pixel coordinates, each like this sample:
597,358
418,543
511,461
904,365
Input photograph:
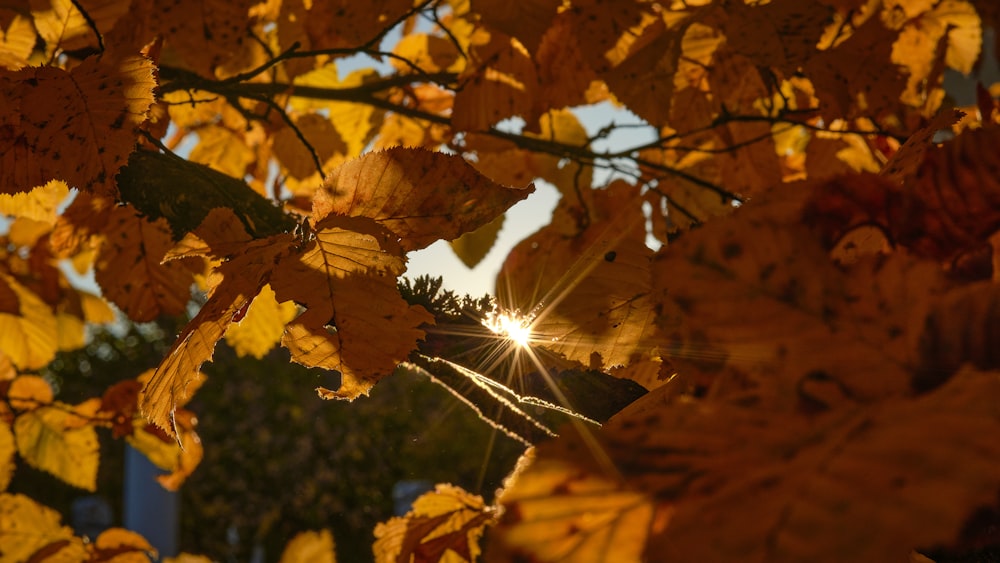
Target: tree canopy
797,275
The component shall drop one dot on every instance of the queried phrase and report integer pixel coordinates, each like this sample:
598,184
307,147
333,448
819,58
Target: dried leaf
44,441
444,525
355,320
243,276
419,195
77,126
718,482
130,271
760,294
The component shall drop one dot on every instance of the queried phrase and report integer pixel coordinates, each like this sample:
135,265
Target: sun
510,325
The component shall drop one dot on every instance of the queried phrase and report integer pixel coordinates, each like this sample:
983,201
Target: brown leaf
761,295
355,320
419,195
718,482
781,34
243,276
130,271
444,525
78,126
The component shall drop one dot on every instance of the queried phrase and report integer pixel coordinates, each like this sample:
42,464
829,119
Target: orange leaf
243,276
28,529
8,448
568,510
419,195
719,482
27,392
118,545
355,322
129,267
444,525
310,547
77,126
760,294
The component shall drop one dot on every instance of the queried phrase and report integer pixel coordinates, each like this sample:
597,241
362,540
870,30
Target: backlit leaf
243,276
309,547
118,545
77,126
419,195
129,267
472,247
762,296
27,392
44,441
355,320
444,525
39,204
27,326
7,450
719,482
27,527
261,328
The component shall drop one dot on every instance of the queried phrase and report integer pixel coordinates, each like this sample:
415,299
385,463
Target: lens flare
510,325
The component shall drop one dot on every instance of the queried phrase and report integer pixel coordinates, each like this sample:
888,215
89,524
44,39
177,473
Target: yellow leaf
39,204
573,512
430,53
45,443
356,322
354,122
26,527
161,453
77,126
261,327
95,309
62,26
444,525
472,247
118,545
310,547
27,392
243,276
222,149
71,332
419,195
596,283
7,450
27,326
17,41
188,558
917,44
321,134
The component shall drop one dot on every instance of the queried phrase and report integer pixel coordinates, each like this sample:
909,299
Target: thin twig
90,23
